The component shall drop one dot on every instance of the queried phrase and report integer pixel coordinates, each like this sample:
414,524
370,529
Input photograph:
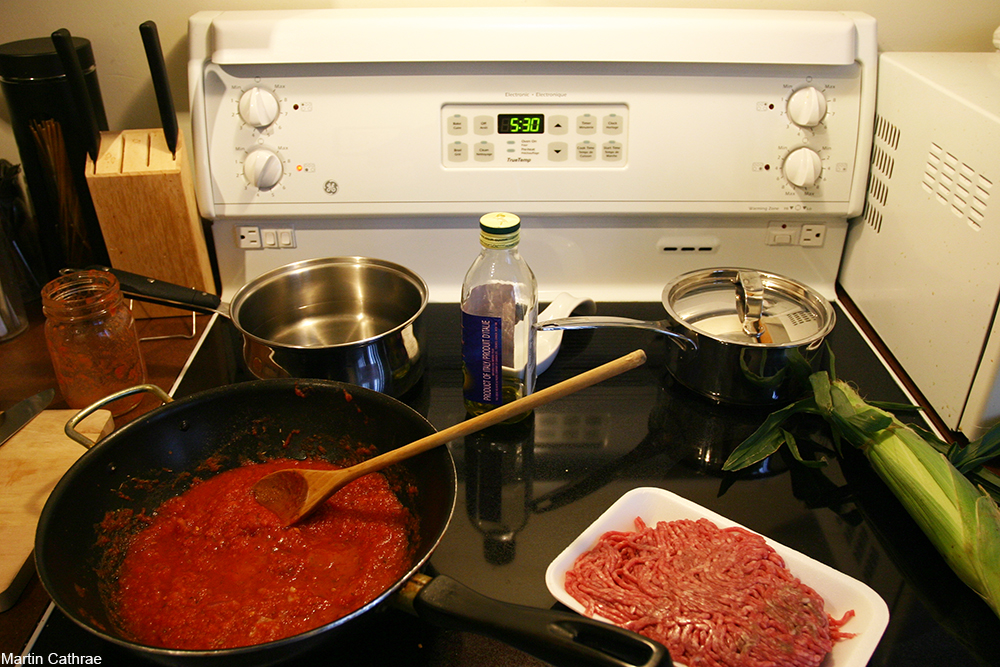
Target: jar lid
499,230
37,58
749,307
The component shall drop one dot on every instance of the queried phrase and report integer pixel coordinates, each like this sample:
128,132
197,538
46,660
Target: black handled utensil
158,69
63,42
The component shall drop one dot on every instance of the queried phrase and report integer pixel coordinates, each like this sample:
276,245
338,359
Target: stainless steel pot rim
357,262
724,278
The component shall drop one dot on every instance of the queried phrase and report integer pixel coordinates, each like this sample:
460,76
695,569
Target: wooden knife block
145,203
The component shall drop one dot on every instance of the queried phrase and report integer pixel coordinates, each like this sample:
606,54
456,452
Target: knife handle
161,84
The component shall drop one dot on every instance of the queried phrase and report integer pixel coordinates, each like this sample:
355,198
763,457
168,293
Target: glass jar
91,336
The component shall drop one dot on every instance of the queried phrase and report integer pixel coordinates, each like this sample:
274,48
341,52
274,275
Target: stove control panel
532,136
416,113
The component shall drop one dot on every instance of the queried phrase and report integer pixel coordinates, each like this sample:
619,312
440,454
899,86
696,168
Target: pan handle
560,638
151,290
71,425
603,321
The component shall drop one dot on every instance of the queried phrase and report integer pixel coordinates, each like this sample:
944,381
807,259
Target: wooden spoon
295,492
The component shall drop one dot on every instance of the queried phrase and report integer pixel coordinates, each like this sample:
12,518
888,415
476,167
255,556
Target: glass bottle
91,336
499,310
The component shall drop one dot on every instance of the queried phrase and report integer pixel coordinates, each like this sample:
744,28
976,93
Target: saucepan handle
151,290
560,638
75,420
605,321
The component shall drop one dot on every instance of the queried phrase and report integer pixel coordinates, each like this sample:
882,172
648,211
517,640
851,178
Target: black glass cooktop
526,491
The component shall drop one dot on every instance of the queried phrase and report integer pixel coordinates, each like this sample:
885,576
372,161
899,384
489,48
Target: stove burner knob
802,167
263,169
258,107
807,107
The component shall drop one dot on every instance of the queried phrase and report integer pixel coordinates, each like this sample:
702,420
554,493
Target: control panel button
458,152
611,151
613,124
458,125
586,124
483,125
258,107
558,151
558,124
586,151
807,107
484,151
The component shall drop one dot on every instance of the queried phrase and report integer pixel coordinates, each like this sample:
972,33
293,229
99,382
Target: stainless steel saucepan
742,336
351,319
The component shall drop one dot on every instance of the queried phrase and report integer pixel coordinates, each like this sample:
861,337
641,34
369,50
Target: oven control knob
807,107
263,169
258,107
802,167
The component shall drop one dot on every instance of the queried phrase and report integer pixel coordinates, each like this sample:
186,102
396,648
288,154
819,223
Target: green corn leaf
767,439
793,447
870,422
988,548
972,456
889,406
962,522
820,382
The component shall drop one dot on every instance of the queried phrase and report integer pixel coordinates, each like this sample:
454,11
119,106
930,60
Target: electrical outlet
812,235
249,237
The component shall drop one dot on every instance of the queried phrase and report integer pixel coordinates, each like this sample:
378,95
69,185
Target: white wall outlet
248,237
813,235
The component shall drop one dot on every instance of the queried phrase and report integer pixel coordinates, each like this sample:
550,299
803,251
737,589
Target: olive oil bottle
499,310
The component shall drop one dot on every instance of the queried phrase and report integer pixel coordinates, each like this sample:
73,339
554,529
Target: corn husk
961,520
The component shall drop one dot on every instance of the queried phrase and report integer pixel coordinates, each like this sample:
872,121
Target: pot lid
749,307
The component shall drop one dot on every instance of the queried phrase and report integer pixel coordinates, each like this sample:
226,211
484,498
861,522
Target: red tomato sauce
215,569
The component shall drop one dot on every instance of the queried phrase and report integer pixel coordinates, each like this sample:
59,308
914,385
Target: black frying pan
159,455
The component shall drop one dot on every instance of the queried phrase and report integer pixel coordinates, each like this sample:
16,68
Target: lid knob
750,301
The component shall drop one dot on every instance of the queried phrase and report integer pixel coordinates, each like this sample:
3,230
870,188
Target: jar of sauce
91,336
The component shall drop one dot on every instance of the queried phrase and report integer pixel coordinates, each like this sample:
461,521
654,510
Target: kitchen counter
526,491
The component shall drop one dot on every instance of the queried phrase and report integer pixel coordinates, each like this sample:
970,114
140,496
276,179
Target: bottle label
481,353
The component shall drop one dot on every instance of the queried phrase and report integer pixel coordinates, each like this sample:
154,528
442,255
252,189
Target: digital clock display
512,123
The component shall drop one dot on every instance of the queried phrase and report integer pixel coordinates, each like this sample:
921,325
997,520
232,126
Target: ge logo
330,187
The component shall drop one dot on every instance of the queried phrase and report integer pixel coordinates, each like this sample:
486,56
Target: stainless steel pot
351,319
742,336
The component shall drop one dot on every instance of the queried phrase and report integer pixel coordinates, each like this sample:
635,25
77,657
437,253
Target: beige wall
113,27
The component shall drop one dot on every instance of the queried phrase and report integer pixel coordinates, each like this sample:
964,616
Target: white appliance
923,263
634,143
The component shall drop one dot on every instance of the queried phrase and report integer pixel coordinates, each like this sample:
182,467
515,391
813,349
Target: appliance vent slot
887,132
873,217
957,186
882,161
878,191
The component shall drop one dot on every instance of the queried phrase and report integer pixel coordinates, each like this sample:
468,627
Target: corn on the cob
962,522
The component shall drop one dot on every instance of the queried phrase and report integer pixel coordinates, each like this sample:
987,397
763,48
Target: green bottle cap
499,230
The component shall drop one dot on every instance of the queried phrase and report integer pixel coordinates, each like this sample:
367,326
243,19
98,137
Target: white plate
840,592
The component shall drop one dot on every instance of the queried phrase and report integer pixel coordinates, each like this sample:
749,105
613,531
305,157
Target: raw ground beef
714,597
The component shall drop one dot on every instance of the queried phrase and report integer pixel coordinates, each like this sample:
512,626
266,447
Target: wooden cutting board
31,463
